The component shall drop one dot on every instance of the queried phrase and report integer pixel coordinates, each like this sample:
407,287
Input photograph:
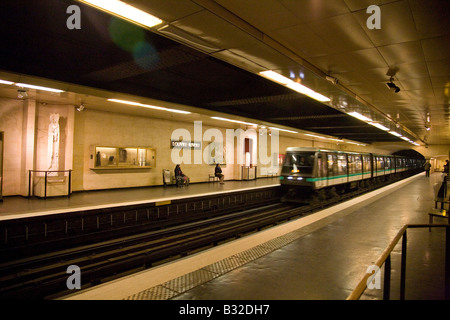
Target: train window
332,165
380,163
367,164
351,164
301,162
388,162
342,164
358,163
322,165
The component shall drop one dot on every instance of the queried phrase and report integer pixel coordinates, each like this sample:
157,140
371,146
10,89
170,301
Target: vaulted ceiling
208,54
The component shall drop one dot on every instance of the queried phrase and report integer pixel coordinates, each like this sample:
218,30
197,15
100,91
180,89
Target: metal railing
47,174
385,259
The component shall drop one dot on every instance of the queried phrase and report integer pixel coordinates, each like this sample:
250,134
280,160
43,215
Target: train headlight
290,178
300,178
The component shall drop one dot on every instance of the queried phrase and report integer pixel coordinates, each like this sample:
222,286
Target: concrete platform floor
328,262
319,257
17,206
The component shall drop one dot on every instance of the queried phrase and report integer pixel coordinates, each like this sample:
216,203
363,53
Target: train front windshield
298,163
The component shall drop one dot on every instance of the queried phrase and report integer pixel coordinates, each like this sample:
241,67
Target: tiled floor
322,256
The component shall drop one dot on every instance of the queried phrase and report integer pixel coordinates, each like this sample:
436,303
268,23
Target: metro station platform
321,256
22,207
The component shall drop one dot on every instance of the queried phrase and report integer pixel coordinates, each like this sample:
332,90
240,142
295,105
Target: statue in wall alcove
53,142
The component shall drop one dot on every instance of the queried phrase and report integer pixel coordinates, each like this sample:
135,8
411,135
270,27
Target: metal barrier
44,181
385,259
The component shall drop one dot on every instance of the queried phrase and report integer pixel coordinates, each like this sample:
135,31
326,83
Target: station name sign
185,144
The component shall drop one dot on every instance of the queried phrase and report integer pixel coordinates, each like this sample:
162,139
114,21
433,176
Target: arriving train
314,170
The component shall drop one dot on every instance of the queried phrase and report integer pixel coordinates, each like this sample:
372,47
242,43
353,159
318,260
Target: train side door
332,169
321,170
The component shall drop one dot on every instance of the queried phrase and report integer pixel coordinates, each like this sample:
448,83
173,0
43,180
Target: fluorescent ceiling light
395,133
126,11
273,128
338,140
30,86
314,136
358,144
132,103
178,111
306,91
236,121
274,76
278,78
359,116
6,82
379,126
405,138
125,102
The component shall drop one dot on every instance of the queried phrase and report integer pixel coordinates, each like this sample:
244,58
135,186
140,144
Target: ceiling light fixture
235,121
278,78
379,126
314,136
359,116
30,86
21,94
291,131
326,138
132,103
6,82
395,133
124,10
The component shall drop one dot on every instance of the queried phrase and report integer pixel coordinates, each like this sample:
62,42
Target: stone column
29,126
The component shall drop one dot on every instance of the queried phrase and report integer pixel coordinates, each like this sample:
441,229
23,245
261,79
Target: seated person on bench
180,175
218,173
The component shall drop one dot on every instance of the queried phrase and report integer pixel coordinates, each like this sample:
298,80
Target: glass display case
122,157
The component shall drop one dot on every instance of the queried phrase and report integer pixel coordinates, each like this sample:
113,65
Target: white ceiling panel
397,24
256,12
167,10
399,53
342,33
214,30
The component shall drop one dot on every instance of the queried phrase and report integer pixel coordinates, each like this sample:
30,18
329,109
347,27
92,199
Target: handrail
385,259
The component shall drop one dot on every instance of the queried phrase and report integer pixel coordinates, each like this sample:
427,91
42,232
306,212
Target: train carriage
309,170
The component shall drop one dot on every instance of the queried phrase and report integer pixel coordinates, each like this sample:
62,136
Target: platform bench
438,213
212,177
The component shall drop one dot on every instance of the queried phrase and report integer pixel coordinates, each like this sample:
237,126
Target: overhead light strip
359,116
379,126
235,121
132,103
31,86
285,130
126,11
278,78
334,139
395,133
6,82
